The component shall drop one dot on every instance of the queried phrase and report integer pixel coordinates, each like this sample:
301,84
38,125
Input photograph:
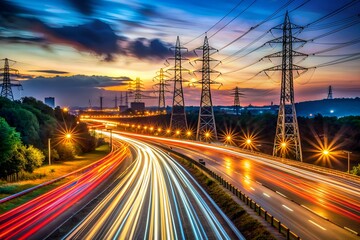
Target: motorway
155,199
146,196
303,200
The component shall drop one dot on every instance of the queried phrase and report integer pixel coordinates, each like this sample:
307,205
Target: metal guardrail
274,222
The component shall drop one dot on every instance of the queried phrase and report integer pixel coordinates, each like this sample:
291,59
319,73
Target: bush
356,170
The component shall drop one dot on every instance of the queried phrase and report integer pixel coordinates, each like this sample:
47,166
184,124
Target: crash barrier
249,202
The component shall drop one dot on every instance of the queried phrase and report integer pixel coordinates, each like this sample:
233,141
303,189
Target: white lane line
350,230
266,195
317,225
287,208
281,194
252,188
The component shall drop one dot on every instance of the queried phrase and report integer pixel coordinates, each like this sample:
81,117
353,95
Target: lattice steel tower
161,90
206,127
178,115
138,89
6,90
236,100
287,139
330,93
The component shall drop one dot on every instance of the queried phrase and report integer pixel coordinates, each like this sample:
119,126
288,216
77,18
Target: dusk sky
76,50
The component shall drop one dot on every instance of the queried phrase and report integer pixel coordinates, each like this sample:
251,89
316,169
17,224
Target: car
201,161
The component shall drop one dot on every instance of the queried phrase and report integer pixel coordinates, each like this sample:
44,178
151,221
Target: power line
257,25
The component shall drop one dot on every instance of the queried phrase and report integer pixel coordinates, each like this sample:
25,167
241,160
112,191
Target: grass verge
47,173
248,226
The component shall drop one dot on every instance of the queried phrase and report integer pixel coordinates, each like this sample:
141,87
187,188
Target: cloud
49,71
70,90
96,36
85,7
144,48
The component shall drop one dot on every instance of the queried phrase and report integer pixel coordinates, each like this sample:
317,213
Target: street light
348,157
67,137
248,141
49,149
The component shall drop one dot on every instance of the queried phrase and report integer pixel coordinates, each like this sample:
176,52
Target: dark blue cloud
155,48
85,7
96,36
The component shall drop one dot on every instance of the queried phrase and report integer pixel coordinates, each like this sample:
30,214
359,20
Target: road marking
314,212
281,194
287,208
349,229
252,188
317,225
266,195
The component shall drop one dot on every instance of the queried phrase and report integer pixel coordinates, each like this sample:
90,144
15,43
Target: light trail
156,199
26,220
329,196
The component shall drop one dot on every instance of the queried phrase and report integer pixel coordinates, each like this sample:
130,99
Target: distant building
123,108
50,101
138,106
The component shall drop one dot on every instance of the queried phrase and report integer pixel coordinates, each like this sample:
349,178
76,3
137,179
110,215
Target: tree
356,170
24,121
66,151
10,142
33,158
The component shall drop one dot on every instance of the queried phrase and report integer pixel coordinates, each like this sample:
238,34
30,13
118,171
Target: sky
79,50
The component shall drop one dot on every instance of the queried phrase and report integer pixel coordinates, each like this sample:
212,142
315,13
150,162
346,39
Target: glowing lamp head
159,129
152,128
177,132
248,141
228,138
207,134
68,136
326,152
168,131
188,133
65,109
283,144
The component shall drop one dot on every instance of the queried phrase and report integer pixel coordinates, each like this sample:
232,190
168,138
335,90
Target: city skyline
76,51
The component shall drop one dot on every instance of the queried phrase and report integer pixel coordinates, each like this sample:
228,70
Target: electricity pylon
206,127
178,115
6,90
330,93
161,90
237,95
287,139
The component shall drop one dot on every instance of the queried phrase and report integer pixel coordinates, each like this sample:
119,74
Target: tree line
26,126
